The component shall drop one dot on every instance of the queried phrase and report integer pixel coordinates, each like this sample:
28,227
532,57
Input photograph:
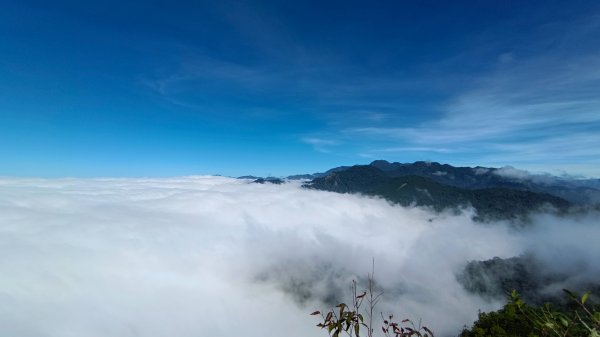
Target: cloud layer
215,256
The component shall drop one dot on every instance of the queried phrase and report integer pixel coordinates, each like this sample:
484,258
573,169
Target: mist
215,256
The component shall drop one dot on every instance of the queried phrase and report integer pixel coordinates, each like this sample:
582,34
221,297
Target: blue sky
147,88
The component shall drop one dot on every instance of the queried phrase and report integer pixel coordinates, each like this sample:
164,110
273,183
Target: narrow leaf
585,297
570,294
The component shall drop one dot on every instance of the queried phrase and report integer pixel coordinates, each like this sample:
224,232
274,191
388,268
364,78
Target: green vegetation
506,322
520,319
490,203
349,320
515,319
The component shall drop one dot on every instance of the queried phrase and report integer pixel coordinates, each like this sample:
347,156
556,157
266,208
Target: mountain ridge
576,191
496,193
494,203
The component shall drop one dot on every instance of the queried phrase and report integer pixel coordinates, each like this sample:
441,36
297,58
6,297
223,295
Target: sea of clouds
215,256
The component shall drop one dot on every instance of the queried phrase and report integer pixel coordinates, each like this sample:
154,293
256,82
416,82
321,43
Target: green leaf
584,297
564,321
357,330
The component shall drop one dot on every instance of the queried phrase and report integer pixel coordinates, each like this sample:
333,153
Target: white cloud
215,256
539,178
481,170
320,144
511,172
526,110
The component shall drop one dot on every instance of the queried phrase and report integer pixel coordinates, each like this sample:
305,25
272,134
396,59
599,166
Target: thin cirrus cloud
487,85
529,107
321,144
499,94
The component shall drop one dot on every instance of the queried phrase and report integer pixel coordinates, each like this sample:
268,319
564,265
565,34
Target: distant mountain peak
425,190
577,191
